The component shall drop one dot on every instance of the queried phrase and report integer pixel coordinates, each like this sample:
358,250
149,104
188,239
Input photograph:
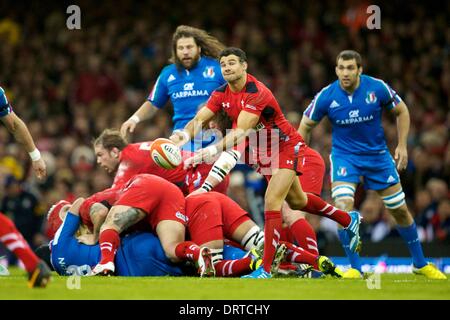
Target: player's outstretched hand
201,155
40,168
127,126
75,207
401,156
189,162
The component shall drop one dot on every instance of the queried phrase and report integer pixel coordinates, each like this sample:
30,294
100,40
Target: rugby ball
165,153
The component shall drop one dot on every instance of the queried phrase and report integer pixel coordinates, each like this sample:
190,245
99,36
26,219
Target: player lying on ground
208,221
139,253
146,202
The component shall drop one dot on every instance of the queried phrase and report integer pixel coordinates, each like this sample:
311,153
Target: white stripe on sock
9,236
15,245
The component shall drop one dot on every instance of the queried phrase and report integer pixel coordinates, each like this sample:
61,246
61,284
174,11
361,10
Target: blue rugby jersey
5,107
356,118
140,254
187,89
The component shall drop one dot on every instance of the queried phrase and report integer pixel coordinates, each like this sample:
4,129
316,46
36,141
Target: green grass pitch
391,286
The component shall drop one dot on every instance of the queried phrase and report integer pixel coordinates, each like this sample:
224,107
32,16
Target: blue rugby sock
355,261
409,234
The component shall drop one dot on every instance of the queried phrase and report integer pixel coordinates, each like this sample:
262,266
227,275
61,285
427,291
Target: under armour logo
290,161
225,104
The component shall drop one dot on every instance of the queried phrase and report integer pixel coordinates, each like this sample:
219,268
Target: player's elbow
11,124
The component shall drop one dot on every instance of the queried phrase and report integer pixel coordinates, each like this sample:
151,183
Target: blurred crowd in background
69,85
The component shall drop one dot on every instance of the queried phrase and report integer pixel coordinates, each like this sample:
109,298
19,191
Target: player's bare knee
297,201
273,202
291,216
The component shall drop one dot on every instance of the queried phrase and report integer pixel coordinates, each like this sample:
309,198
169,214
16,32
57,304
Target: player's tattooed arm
122,220
98,213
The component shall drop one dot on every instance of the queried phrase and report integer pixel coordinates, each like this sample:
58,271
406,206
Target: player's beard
350,84
193,63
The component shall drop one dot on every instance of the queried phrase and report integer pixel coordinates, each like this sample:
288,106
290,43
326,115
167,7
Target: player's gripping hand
401,156
75,207
179,137
188,163
202,155
40,168
128,126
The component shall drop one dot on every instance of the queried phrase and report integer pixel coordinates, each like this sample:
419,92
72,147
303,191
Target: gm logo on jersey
209,72
371,97
353,114
188,86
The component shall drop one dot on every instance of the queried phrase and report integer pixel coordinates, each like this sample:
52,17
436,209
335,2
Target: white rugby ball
165,153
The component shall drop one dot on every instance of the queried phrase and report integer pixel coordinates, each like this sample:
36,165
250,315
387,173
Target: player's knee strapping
216,255
394,201
342,192
252,238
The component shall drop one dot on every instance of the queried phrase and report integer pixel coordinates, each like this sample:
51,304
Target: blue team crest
371,97
342,172
209,72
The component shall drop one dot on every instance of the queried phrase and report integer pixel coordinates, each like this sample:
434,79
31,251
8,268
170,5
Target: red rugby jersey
256,98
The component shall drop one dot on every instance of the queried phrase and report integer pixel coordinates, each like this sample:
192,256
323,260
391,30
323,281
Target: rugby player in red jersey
125,160
257,116
297,227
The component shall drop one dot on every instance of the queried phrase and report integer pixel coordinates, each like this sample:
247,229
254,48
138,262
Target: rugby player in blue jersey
139,254
354,105
188,81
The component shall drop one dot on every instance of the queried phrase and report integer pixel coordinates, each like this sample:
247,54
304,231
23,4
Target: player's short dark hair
236,51
350,55
109,139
